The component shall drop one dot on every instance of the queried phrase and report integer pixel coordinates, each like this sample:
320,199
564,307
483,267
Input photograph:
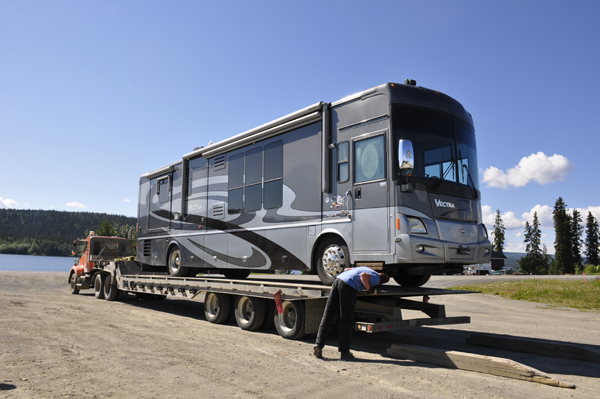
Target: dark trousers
341,301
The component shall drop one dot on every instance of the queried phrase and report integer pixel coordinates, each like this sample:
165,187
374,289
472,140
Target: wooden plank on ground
538,346
472,362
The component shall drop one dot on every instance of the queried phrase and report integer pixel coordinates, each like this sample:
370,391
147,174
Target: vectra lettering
444,204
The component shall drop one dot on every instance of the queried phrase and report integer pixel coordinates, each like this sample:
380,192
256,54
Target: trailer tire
332,258
174,264
290,324
73,282
412,281
99,286
249,312
111,291
216,307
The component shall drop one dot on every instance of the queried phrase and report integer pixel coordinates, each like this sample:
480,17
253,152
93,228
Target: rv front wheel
333,258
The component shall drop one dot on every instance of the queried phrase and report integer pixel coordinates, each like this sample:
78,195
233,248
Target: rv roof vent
410,82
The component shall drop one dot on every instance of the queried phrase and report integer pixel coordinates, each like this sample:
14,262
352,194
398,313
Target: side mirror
405,154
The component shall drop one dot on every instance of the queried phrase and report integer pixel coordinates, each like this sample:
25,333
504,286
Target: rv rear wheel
174,264
332,258
412,281
290,323
216,307
236,274
99,286
249,312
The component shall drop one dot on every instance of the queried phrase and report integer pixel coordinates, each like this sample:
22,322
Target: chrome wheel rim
333,260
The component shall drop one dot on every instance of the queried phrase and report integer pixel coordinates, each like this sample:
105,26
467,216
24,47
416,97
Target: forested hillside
39,232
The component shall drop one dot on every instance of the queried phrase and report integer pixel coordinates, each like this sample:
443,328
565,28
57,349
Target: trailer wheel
99,286
249,312
73,282
111,291
332,258
174,264
216,307
412,281
290,324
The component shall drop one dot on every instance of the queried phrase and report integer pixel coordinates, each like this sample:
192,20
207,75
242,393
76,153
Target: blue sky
95,93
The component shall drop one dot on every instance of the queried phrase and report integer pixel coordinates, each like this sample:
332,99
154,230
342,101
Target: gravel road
57,345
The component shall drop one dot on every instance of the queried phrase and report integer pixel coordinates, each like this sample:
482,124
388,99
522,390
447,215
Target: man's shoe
347,356
318,352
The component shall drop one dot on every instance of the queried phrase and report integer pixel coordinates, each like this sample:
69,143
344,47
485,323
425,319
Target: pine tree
499,230
534,261
563,262
592,240
576,242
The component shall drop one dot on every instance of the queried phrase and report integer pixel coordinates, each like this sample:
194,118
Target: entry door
370,192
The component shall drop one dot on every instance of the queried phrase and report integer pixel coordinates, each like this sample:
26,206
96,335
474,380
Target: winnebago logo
443,204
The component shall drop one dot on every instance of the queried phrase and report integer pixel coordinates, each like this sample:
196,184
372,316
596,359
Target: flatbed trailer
253,301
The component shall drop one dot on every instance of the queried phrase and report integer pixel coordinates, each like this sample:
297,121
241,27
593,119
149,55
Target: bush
591,269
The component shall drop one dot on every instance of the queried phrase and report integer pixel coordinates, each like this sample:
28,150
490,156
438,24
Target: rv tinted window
253,198
369,159
254,166
235,201
274,160
273,194
236,171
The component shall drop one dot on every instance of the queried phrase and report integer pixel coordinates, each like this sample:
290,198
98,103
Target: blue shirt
352,277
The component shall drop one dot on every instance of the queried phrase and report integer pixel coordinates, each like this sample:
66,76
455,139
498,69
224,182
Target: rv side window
163,190
342,161
273,190
253,180
369,159
235,182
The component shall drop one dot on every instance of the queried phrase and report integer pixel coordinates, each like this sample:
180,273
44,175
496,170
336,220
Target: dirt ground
57,345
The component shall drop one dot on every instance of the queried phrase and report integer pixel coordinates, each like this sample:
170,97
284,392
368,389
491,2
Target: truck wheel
236,274
249,312
73,282
332,258
174,264
111,291
99,286
290,324
216,307
412,281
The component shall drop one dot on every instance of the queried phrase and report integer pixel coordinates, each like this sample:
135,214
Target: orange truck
91,271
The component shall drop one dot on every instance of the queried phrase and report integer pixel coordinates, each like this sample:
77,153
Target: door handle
358,193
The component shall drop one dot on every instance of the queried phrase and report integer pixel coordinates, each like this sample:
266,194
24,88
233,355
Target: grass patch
575,294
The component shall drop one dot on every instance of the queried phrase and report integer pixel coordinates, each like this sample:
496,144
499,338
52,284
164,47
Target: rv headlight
485,233
416,226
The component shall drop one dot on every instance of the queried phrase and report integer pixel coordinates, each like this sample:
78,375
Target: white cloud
75,205
544,214
127,200
7,203
536,167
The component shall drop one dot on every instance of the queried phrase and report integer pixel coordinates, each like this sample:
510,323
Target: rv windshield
445,155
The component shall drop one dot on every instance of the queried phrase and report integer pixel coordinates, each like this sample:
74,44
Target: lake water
30,263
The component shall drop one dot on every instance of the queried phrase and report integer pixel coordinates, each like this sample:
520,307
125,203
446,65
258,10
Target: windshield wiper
437,183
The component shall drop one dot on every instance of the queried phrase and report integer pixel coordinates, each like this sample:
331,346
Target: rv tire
412,281
332,258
